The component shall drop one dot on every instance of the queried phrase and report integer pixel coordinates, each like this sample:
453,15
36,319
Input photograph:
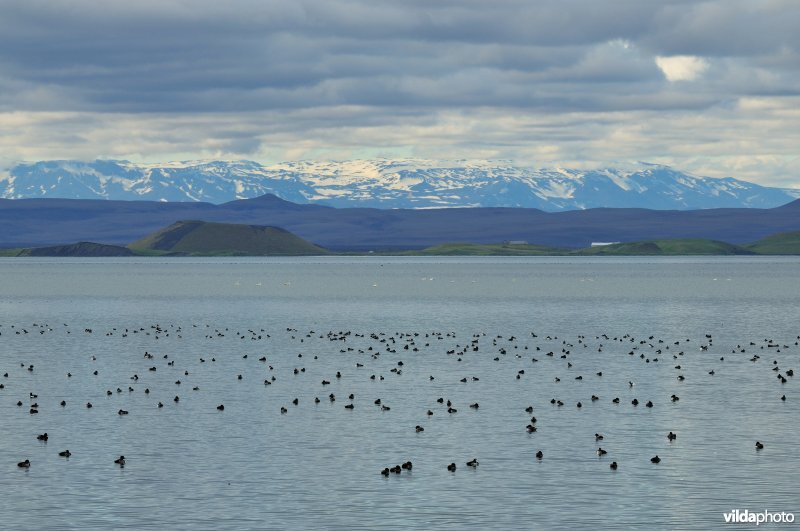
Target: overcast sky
711,87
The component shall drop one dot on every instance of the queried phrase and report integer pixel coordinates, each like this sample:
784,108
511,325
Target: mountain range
389,184
41,222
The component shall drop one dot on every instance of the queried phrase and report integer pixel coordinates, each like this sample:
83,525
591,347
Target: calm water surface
318,465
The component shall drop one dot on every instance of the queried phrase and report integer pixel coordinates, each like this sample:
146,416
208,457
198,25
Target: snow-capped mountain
388,184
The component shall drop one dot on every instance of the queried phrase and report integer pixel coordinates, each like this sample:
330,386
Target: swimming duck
120,461
655,459
65,453
24,464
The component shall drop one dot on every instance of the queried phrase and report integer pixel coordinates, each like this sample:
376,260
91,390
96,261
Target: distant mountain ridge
42,222
389,184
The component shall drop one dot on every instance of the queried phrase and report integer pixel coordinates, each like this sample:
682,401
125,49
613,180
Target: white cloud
682,67
756,140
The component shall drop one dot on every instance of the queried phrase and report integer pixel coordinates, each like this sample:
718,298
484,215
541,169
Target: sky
710,87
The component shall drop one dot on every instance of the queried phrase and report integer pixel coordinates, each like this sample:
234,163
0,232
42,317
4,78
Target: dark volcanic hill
38,222
80,249
203,238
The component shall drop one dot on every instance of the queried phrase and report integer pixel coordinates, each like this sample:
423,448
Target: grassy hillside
224,239
641,248
687,246
474,249
783,243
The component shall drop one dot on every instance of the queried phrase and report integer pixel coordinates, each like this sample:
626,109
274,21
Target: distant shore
645,248
203,238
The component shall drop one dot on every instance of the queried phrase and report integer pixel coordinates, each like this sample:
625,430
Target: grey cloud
261,76
730,28
204,56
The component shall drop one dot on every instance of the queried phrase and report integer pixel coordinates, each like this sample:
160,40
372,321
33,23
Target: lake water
317,466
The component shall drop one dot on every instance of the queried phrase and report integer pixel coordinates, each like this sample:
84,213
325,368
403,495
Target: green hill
783,243
475,249
200,238
687,246
675,247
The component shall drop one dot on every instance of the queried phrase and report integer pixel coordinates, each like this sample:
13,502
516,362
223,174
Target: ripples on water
249,466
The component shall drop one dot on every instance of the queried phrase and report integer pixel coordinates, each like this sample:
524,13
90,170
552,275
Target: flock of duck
355,351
